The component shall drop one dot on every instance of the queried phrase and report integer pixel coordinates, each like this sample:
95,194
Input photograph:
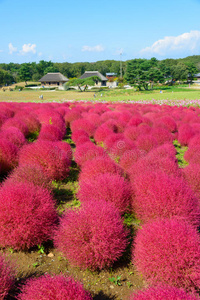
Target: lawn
165,95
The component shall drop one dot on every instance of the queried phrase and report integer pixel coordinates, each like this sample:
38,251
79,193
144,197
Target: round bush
76,134
191,174
93,236
130,157
156,195
30,173
16,122
87,151
8,155
112,188
27,215
64,146
56,287
83,124
7,277
50,133
162,292
14,135
162,135
99,165
101,133
146,142
48,156
168,252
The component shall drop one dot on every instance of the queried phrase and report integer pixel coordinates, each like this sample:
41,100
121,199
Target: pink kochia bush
14,135
30,173
27,215
112,188
87,151
168,252
162,292
56,287
191,174
93,236
159,196
48,156
7,277
8,155
50,133
97,166
84,125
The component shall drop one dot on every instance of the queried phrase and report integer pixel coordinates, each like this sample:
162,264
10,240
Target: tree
83,84
25,72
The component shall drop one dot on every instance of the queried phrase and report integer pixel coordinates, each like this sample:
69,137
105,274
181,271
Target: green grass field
169,95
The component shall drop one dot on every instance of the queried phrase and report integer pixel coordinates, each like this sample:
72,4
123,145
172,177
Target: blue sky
88,30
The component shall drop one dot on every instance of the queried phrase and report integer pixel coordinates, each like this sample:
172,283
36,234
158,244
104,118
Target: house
103,80
53,79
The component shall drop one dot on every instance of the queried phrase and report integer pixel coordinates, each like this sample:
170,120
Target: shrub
185,133
76,134
191,174
152,163
56,287
14,135
87,151
8,155
71,115
83,124
168,252
50,133
7,277
64,146
112,139
101,133
165,150
48,156
31,121
93,236
109,187
167,122
162,292
131,132
120,146
130,157
30,173
99,165
27,215
162,135
192,154
135,121
52,117
159,196
146,142
16,122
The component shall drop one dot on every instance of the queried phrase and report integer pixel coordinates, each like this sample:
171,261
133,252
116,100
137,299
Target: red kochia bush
48,156
76,134
99,165
27,215
146,142
83,124
191,174
162,292
87,151
16,122
101,133
129,157
8,155
162,135
93,236
159,196
109,187
185,133
56,287
168,252
7,277
14,135
192,154
50,133
64,146
30,173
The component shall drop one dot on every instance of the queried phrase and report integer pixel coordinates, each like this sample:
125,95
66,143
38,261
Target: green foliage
41,249
180,154
116,281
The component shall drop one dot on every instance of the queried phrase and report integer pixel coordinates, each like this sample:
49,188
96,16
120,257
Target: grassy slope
168,94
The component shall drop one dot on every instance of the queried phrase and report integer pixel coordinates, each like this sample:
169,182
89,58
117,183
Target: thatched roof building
53,79
102,78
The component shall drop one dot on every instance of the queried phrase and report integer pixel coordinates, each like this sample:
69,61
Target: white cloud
187,42
28,48
11,48
97,48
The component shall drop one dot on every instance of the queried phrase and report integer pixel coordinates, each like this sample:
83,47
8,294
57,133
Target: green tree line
139,72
